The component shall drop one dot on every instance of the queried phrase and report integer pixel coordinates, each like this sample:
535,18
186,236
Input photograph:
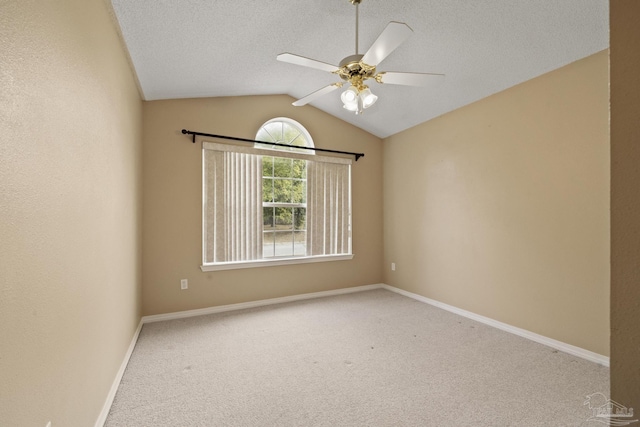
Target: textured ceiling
208,48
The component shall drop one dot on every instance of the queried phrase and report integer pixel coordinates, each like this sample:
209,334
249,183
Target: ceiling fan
356,69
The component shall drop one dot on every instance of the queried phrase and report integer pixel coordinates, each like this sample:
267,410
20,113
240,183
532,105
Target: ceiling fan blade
317,94
391,37
306,62
409,79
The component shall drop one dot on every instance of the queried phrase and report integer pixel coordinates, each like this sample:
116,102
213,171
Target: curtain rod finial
185,132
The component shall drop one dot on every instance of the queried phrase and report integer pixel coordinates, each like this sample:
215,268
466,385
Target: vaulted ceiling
208,48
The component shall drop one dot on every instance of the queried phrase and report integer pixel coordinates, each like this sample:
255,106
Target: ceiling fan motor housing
353,70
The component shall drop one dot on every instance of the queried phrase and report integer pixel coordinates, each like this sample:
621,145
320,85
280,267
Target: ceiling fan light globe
368,98
349,96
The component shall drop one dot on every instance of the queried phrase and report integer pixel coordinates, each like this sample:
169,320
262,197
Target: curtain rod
234,138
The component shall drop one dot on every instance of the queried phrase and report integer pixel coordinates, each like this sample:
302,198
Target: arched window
284,190
282,130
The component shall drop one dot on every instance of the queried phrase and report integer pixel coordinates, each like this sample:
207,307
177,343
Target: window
284,191
270,205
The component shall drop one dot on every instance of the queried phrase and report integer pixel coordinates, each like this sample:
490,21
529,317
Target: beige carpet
371,358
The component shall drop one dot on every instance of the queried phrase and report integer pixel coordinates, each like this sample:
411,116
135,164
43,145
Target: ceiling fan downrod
356,3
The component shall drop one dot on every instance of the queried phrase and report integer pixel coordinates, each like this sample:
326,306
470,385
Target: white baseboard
558,345
253,304
102,418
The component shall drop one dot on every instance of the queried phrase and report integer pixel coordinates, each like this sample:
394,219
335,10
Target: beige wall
70,175
625,203
501,208
172,223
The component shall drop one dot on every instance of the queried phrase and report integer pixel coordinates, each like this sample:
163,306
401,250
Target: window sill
274,262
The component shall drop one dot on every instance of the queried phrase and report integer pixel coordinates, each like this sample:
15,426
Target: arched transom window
282,130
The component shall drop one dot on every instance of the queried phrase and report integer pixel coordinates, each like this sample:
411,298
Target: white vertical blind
233,207
328,209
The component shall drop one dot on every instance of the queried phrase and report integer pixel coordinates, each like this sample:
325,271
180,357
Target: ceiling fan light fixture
357,98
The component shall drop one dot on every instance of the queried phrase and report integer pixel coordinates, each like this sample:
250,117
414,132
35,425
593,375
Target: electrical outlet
393,266
184,284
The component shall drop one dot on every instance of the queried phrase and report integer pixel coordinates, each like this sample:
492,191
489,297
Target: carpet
371,358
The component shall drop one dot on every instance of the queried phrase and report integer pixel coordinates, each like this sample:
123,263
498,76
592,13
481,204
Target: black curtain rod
234,138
